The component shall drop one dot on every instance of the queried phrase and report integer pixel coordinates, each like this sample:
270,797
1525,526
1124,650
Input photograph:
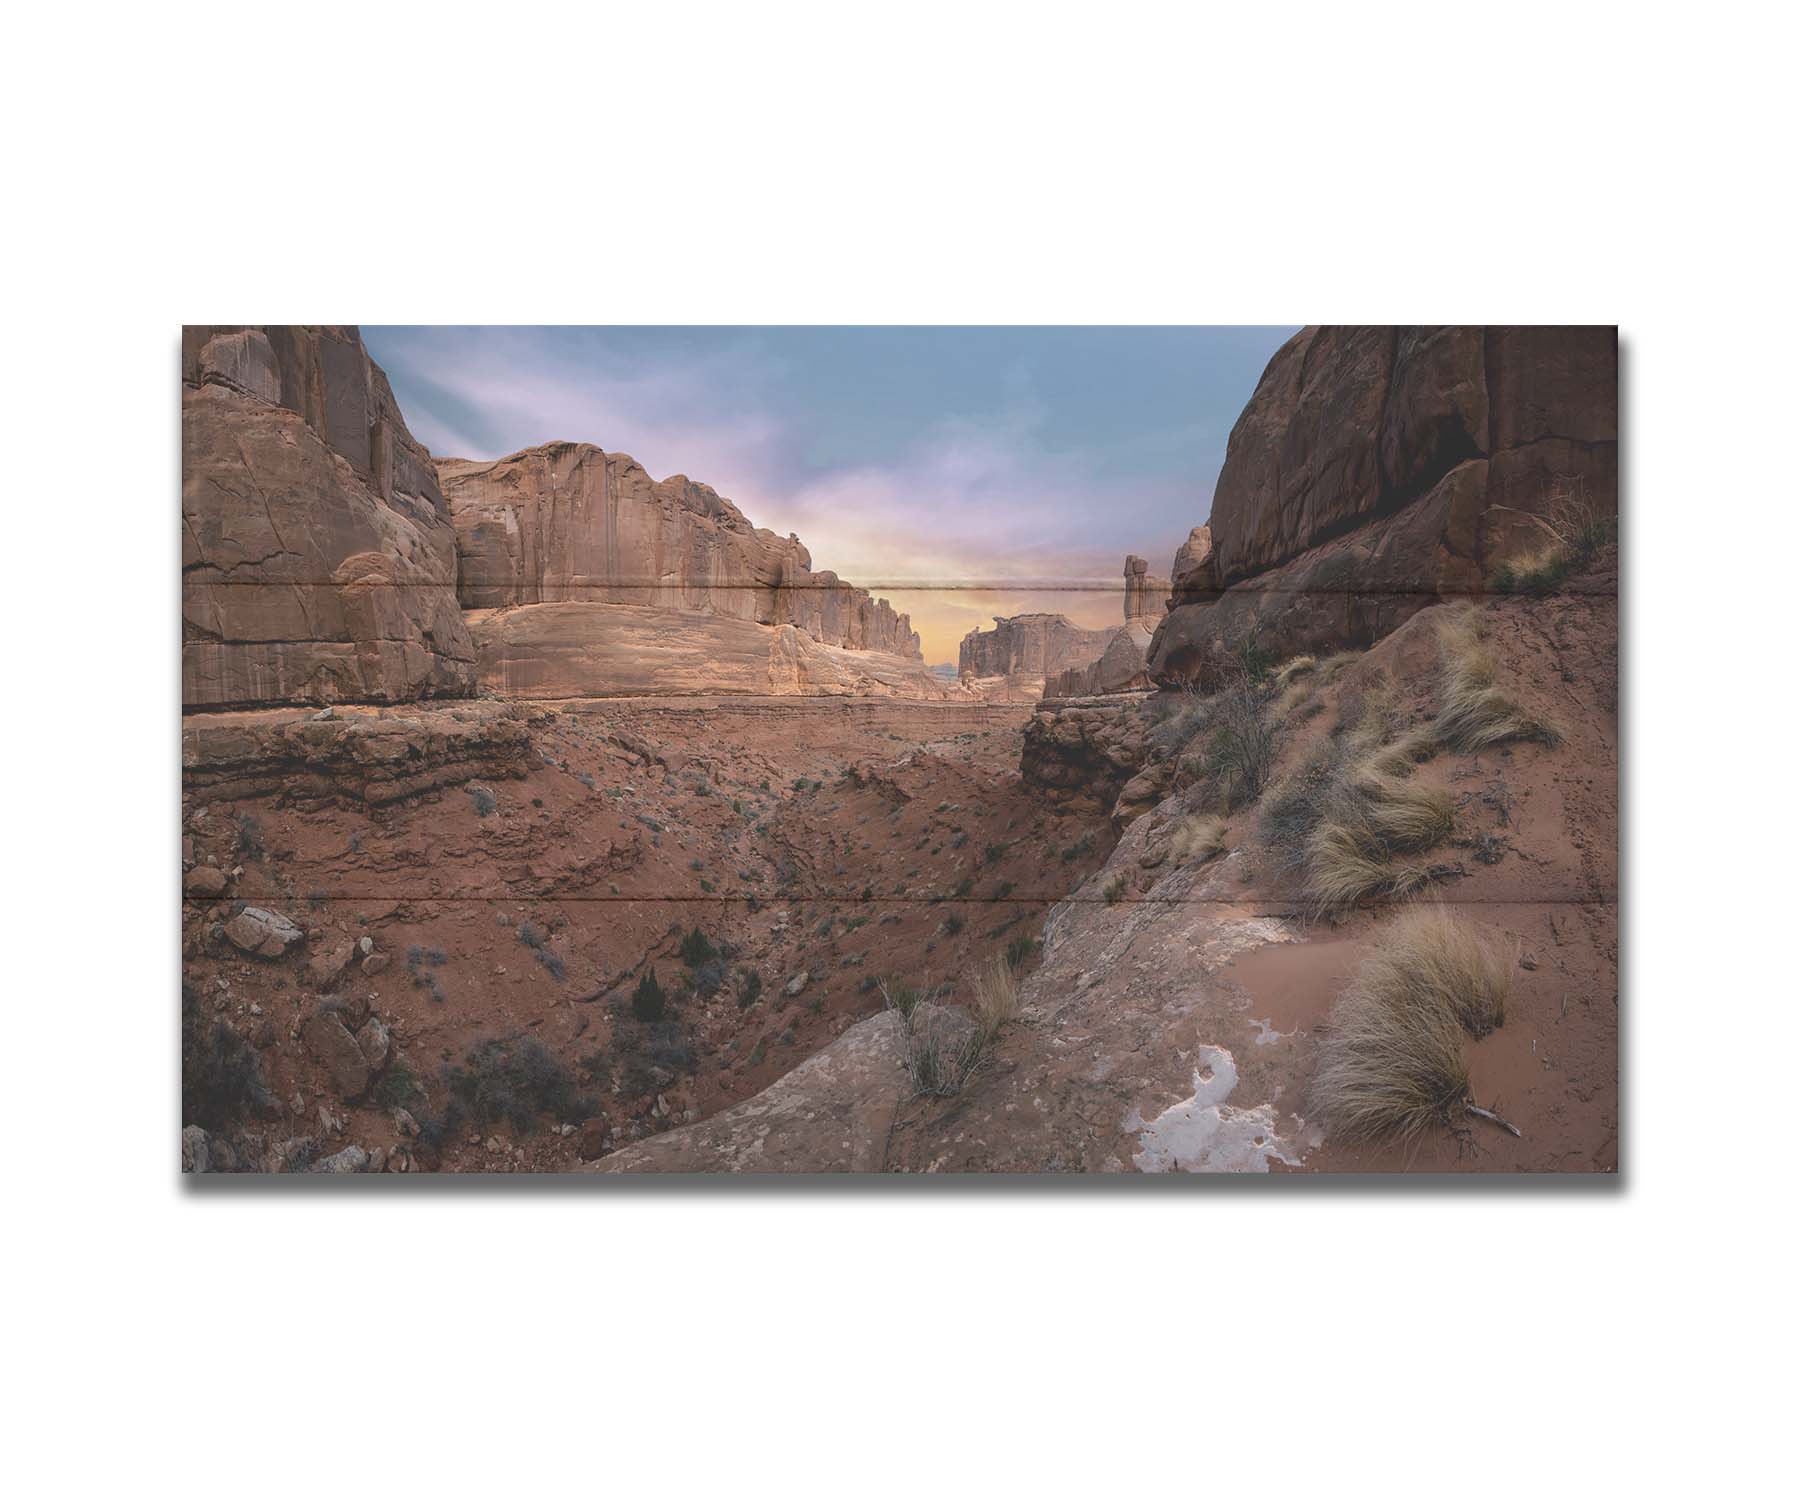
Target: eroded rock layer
569,523
318,559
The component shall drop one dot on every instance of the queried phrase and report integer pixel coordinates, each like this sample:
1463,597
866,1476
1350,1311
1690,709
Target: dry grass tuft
1574,529
1199,836
996,997
1473,713
1392,1061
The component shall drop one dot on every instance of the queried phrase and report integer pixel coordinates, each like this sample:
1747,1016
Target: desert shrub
993,854
247,840
515,1079
750,987
708,978
1241,749
484,800
902,997
1080,847
697,948
953,924
1473,711
1392,1060
1114,890
221,1076
398,1087
1021,950
1294,807
648,1001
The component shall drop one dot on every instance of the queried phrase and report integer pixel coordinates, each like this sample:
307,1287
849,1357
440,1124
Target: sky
960,472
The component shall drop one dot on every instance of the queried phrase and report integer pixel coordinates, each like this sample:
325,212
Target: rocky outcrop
355,757
569,523
1120,668
1377,470
318,559
624,650
1080,752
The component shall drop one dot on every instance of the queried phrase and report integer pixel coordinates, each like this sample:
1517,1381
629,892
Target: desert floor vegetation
1197,836
1573,529
944,1048
1474,712
1392,1062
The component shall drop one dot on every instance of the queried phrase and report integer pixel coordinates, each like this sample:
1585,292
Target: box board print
1169,750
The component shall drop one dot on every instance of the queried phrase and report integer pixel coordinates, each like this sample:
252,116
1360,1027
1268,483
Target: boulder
351,1159
324,967
195,1155
205,882
374,1040
266,934
331,1045
318,558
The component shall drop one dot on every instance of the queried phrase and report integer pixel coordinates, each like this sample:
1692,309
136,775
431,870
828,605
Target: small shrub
697,948
1021,950
750,986
1114,890
398,1087
515,1079
221,1076
484,800
953,924
995,998
648,1001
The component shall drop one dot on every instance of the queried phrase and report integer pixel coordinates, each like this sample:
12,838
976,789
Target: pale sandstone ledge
623,650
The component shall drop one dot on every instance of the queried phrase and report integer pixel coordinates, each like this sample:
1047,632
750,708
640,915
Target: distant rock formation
1376,470
1028,646
318,559
569,523
1145,596
578,650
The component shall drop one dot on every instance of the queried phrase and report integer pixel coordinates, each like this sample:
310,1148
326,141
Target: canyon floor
814,846
656,935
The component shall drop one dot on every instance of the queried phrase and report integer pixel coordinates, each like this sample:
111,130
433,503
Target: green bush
648,1001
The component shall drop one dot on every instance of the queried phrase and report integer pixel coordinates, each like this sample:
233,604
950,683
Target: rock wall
569,523
1377,470
318,559
584,650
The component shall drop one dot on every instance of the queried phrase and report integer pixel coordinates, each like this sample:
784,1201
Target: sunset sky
913,461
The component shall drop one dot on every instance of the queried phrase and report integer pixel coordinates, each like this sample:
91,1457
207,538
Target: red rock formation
1376,470
569,523
318,560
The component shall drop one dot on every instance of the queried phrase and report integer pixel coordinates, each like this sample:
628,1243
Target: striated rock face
624,650
1376,470
568,523
318,560
1029,646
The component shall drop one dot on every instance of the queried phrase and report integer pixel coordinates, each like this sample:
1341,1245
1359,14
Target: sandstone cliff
1376,470
318,559
569,523
582,650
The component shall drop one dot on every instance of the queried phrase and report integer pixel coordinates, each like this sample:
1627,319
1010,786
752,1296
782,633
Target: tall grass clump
1198,836
1392,1061
1574,529
1473,711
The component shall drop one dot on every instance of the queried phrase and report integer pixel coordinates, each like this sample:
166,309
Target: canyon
539,816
